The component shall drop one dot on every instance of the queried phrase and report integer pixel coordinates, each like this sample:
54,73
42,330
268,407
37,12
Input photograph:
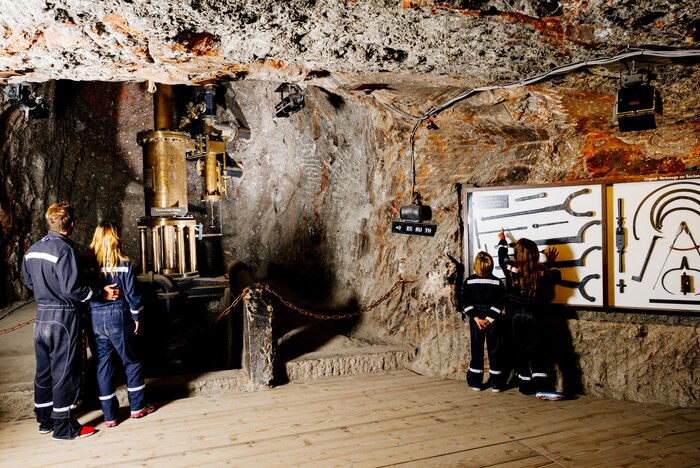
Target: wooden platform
381,419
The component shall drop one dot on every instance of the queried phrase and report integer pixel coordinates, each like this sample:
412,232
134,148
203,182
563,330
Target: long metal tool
580,286
565,206
536,225
531,197
620,236
575,239
646,259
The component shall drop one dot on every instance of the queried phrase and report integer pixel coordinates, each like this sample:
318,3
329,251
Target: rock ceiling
341,43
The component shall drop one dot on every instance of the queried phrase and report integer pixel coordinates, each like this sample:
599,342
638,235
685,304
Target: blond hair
106,246
483,264
60,216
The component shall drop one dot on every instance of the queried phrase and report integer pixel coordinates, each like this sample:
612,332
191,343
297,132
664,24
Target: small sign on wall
416,229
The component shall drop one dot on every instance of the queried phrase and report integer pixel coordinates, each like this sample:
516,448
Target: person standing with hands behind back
530,287
483,297
51,270
114,325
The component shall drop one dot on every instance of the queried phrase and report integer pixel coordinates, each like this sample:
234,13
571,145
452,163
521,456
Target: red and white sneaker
148,409
85,431
110,423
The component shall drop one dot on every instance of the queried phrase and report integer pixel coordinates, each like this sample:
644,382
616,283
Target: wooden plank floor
394,418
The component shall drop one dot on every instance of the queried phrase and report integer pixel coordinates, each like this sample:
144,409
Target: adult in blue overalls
114,324
51,270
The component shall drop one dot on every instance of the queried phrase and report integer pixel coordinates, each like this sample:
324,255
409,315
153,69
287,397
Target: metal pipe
143,236
163,107
181,249
193,248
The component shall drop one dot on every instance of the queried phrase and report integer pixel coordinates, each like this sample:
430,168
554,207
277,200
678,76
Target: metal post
143,236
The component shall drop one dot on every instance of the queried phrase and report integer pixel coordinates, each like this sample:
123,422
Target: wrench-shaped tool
580,286
573,263
577,239
562,206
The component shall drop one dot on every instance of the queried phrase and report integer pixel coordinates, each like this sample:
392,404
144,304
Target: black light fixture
23,96
637,103
291,100
413,219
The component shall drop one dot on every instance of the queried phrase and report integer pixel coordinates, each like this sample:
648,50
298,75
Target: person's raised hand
551,254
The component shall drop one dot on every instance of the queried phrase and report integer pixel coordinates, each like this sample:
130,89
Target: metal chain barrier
282,300
313,314
19,325
341,316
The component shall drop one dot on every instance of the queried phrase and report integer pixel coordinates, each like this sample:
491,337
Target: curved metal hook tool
634,219
575,239
573,263
565,206
580,286
655,216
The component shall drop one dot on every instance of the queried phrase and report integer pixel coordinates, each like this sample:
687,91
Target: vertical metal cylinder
193,247
165,172
181,259
143,237
169,249
156,243
211,178
163,107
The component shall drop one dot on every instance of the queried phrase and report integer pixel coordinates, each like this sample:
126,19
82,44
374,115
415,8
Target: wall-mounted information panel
569,218
629,245
654,244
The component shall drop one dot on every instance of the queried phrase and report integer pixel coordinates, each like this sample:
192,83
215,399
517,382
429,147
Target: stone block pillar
258,345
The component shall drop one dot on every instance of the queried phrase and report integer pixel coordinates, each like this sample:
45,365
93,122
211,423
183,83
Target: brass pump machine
168,232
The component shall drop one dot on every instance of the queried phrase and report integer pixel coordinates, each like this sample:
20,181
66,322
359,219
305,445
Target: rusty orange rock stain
605,155
119,23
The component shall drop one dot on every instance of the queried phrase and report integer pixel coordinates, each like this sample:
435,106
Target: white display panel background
490,210
659,287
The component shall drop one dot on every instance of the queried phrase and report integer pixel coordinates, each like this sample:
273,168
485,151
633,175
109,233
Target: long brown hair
527,256
106,247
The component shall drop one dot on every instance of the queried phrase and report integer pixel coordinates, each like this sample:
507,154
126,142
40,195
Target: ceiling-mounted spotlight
637,103
22,96
291,100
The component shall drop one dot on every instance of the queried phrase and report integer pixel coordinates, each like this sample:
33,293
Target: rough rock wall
320,189
85,153
316,200
183,42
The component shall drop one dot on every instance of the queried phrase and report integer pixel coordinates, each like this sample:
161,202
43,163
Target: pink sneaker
110,423
148,409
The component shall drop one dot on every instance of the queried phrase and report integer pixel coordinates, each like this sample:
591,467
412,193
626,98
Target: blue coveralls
484,297
51,270
113,331
532,363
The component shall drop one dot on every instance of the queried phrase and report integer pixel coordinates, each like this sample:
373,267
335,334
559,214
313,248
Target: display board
569,218
653,236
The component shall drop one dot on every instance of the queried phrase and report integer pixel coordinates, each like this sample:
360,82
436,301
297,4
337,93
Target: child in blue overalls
115,324
483,297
